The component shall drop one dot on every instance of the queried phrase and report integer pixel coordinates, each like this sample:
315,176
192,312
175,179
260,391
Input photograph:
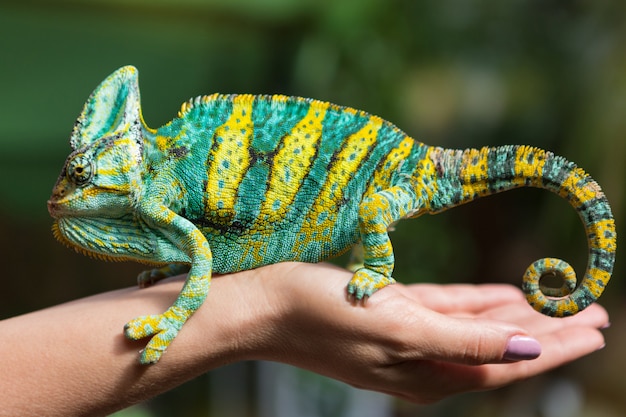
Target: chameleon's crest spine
277,100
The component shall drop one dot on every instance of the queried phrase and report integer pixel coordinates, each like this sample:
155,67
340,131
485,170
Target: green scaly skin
240,181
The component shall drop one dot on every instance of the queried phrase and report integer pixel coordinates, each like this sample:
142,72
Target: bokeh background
453,73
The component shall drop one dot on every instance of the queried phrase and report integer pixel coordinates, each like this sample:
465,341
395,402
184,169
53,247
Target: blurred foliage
455,73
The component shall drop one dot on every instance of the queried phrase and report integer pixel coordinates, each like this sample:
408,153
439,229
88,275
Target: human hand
420,342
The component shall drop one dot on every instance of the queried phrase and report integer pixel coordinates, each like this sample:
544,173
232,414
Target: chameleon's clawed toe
366,282
142,327
151,355
161,327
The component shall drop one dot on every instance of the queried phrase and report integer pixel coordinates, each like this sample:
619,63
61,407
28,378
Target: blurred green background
453,73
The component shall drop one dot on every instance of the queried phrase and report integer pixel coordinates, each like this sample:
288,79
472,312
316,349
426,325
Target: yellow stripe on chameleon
581,194
204,248
475,164
600,241
585,194
113,172
321,214
593,285
390,165
551,263
348,160
91,193
292,163
230,157
162,143
536,299
475,172
354,151
427,169
529,170
169,216
566,307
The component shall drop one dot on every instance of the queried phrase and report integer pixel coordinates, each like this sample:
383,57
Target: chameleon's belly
305,239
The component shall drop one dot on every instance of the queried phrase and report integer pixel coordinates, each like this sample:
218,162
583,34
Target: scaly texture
240,181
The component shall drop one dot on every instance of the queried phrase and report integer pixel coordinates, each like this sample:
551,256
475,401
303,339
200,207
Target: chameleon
239,181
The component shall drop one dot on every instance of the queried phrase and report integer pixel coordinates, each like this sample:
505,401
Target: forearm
73,359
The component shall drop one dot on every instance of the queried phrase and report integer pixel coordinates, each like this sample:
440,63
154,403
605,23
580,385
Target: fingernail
522,348
606,326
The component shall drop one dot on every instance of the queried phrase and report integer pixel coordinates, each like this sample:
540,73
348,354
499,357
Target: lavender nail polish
522,348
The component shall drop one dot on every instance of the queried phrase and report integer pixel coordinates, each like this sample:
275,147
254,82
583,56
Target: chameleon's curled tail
463,176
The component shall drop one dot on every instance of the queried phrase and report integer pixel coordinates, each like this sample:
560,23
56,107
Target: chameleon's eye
80,169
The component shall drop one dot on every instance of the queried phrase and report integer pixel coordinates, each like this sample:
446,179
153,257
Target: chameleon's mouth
59,192
53,209
56,209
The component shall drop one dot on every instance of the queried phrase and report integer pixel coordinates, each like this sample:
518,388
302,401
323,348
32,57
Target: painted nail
606,326
522,348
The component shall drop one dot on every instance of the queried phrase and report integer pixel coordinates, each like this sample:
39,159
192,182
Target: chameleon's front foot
162,327
366,282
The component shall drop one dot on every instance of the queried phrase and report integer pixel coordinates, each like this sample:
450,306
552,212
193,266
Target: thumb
478,341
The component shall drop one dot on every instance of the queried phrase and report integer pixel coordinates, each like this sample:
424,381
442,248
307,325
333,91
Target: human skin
421,342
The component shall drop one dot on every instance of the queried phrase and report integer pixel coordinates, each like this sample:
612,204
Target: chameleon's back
271,178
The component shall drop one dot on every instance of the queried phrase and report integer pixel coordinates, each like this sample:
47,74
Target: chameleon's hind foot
152,276
366,282
162,327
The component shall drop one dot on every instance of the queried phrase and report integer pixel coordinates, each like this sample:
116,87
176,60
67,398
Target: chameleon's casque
240,181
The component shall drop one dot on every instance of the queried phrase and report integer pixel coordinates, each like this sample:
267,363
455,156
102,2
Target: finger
464,298
426,381
429,335
418,332
485,338
594,316
559,348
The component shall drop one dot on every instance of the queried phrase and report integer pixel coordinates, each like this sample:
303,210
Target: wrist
241,317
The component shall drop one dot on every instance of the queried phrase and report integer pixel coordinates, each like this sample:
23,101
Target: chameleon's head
101,177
